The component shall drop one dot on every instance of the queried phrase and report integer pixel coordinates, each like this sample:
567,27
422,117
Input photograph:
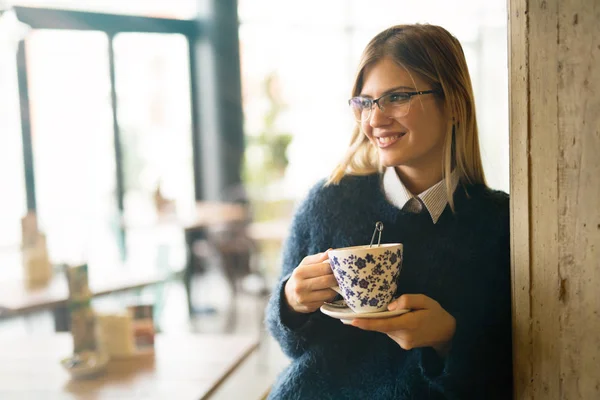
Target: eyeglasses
394,105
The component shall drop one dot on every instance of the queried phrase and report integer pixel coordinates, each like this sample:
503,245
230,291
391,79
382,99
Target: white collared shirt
433,199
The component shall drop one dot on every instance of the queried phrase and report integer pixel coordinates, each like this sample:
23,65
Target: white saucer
346,314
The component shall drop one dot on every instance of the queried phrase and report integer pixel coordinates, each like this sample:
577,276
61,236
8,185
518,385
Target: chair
221,232
235,250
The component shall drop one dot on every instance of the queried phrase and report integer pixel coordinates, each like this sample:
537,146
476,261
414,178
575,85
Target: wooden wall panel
543,179
554,64
519,189
579,197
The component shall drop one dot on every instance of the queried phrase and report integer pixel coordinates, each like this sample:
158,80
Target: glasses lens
395,104
361,108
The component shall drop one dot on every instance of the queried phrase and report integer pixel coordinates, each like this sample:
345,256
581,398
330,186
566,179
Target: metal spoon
378,227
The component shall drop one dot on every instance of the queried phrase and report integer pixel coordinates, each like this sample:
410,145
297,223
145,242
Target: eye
398,97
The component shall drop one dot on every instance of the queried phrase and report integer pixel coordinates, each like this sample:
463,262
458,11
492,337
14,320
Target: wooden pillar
554,67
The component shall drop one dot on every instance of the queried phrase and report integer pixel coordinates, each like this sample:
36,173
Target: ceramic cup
367,276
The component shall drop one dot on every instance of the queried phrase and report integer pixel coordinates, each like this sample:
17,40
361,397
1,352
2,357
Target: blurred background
121,134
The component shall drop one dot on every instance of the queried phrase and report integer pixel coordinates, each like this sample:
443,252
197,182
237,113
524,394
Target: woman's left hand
427,324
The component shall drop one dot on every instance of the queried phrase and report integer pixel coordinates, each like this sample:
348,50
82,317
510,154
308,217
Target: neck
418,180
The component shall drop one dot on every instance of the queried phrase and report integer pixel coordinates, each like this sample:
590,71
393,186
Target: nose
378,117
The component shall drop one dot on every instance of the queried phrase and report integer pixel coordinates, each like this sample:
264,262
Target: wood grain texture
17,297
184,367
579,197
518,58
555,197
543,53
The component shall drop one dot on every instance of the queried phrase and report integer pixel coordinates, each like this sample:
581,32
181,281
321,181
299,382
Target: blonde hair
435,55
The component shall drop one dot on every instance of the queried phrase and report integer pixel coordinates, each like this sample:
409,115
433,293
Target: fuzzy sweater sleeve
293,331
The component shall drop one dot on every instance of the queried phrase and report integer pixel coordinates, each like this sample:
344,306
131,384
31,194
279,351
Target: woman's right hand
310,284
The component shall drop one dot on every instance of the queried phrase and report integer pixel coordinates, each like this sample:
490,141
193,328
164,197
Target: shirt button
414,206
419,205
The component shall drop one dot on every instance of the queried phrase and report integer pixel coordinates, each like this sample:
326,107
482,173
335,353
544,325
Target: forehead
387,74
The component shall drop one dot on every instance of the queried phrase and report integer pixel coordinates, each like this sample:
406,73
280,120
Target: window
101,147
153,108
73,145
314,55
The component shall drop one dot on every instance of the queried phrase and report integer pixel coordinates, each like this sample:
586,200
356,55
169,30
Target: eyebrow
394,89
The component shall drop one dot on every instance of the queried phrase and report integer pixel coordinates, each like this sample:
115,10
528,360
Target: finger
317,283
377,325
311,307
412,302
315,258
404,322
315,296
313,270
406,340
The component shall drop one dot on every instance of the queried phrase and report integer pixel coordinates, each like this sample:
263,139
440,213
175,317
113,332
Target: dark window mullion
117,143
48,18
26,127
195,117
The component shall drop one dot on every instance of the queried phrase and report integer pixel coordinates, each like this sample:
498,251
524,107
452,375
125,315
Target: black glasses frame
410,95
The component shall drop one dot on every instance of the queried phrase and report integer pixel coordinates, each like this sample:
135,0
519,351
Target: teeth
387,140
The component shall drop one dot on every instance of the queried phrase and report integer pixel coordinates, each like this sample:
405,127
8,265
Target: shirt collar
434,199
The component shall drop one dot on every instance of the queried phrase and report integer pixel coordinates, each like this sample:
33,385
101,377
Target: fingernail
392,306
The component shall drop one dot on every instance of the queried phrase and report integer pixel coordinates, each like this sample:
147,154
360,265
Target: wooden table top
183,367
16,296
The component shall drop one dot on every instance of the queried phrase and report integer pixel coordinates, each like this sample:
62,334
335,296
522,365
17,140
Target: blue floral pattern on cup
367,276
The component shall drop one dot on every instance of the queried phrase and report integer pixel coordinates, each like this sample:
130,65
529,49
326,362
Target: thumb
325,254
393,305
410,302
315,258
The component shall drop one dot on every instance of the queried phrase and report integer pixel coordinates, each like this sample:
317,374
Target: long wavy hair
438,58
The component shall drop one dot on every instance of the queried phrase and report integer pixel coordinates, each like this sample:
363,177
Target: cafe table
183,367
17,297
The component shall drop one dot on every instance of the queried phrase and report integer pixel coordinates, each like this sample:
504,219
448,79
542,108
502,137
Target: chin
391,161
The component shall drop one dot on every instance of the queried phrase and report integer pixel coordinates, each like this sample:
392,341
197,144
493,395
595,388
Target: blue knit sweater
463,262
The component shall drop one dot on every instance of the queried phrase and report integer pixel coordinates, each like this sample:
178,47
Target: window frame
111,25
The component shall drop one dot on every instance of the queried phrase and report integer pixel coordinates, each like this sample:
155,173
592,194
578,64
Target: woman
414,164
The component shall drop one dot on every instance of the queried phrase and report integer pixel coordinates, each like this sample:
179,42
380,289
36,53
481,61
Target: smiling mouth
387,141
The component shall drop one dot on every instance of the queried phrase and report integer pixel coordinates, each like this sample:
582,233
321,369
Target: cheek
427,130
367,130
417,120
